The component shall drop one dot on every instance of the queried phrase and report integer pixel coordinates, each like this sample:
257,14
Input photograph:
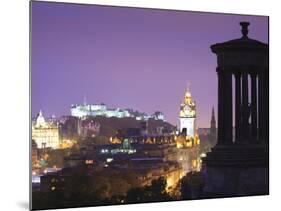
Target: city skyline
128,57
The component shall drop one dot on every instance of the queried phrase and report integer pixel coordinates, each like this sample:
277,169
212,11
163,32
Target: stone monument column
245,108
225,107
253,107
221,125
228,108
237,107
266,105
261,119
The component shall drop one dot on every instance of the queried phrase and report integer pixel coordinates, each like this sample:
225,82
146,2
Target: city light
108,160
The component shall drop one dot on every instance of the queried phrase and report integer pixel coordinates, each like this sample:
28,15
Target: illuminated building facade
188,116
34,154
93,110
125,148
152,169
45,134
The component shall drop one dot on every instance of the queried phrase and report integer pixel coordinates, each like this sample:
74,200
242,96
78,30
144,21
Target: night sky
129,58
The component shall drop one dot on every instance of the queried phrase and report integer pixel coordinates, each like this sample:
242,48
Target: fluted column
228,110
254,107
261,118
224,107
263,109
237,107
221,131
245,108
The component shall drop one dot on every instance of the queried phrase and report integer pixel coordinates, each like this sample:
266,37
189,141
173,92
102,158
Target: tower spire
188,87
188,114
213,129
213,113
213,119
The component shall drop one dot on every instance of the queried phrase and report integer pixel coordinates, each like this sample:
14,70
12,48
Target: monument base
236,170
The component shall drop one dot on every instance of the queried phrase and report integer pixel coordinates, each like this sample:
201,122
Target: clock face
187,111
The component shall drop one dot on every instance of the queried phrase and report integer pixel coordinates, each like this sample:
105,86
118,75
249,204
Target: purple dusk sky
128,57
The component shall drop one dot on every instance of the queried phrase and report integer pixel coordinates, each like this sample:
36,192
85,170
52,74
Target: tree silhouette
152,193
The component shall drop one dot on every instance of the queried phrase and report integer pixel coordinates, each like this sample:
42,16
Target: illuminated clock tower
188,115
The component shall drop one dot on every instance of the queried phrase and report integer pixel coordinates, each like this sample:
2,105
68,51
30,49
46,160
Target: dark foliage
153,193
82,189
192,186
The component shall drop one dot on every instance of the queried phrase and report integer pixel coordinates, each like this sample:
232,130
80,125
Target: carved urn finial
244,30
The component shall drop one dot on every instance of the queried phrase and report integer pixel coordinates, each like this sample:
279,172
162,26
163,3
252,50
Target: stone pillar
245,108
228,110
224,107
263,109
261,118
221,131
266,105
237,107
254,107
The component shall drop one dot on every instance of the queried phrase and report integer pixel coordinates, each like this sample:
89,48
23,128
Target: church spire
213,129
213,119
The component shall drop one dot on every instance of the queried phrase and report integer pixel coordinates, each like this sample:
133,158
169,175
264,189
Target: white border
14,105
